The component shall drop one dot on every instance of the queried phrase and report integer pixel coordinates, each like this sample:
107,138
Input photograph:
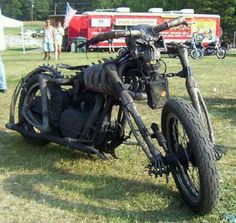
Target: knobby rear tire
33,80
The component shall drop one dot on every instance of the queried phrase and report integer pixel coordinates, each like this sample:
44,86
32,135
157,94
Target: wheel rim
187,175
196,54
221,53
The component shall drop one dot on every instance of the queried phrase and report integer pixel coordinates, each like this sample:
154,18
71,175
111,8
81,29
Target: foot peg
218,150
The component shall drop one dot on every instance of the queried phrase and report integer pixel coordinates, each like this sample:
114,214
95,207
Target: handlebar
133,33
110,35
167,25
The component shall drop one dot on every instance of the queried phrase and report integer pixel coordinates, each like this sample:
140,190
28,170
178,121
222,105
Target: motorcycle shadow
104,195
231,55
107,188
20,154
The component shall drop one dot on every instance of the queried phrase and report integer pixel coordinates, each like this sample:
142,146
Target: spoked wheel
196,54
194,172
221,53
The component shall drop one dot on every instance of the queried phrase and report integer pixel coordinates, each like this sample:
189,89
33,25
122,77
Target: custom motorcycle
215,48
92,110
195,48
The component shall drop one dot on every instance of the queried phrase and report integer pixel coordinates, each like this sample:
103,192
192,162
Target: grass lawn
55,184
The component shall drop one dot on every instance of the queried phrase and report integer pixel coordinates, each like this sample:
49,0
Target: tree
7,7
42,9
26,10
137,6
226,9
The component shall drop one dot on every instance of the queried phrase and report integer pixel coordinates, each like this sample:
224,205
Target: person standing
111,46
59,33
3,84
49,40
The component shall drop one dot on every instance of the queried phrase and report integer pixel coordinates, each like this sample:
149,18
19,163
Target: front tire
196,178
196,54
221,53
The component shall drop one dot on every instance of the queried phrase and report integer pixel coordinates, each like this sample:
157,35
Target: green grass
55,184
34,25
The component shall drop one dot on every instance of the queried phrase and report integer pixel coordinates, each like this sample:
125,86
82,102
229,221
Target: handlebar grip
167,25
176,22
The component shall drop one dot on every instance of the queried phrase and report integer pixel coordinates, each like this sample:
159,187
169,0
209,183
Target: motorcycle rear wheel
32,89
196,178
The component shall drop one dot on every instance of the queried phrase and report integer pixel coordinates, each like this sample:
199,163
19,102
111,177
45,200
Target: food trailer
89,24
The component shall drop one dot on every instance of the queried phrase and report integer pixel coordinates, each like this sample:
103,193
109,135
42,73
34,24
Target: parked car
32,33
27,33
38,33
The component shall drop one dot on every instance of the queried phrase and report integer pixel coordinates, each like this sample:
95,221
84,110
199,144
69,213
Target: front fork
141,133
139,130
194,91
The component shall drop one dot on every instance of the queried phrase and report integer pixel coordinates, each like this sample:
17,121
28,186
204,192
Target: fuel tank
96,79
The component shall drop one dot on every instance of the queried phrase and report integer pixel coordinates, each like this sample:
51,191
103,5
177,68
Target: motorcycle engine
72,122
73,119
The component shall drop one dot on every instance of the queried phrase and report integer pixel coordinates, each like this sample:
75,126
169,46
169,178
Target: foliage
7,7
23,9
226,9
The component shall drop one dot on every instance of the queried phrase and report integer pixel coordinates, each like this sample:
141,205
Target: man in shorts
49,40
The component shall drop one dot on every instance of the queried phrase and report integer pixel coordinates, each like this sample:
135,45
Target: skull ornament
147,46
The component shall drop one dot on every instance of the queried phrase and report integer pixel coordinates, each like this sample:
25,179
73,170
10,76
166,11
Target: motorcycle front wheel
195,175
196,54
221,53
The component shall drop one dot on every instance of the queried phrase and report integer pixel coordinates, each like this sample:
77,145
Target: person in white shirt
59,33
49,40
3,84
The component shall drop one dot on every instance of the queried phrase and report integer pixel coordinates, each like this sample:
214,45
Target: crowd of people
53,37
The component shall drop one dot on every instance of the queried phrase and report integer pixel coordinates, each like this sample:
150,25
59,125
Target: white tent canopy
10,23
6,22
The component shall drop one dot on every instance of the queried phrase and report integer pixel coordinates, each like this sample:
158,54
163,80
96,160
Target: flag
70,12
